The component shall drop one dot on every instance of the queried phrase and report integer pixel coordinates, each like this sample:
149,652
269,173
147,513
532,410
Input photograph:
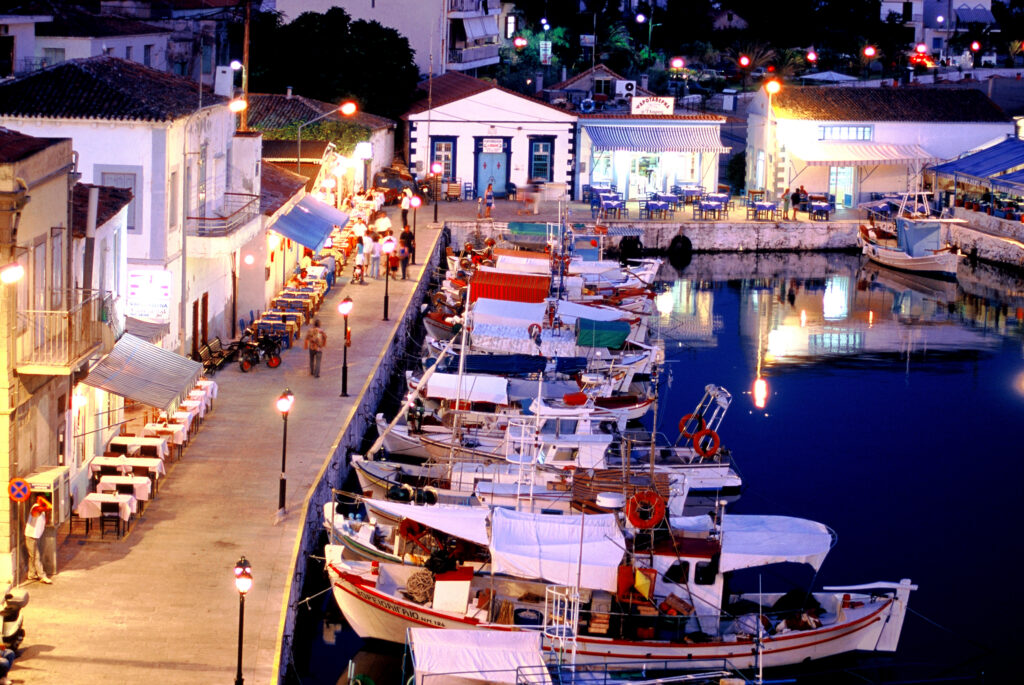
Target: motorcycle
15,599
252,350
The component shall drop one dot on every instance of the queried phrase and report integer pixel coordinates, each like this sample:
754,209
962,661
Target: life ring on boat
533,330
645,509
587,106
686,419
487,262
699,448
413,531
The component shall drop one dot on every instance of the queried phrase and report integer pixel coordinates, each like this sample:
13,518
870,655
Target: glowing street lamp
12,273
387,247
677,63
812,56
435,169
870,51
345,308
519,42
415,201
243,583
346,108
284,406
744,61
772,87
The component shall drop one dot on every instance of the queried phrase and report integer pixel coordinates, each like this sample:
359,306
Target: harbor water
886,406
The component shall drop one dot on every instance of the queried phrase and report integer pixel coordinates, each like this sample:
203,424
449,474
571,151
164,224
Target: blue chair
468,192
241,325
586,193
511,191
644,212
252,317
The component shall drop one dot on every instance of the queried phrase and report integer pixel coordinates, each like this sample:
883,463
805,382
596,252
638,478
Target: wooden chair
118,448
149,451
144,472
110,516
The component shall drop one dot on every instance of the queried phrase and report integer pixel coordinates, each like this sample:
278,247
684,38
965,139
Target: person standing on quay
405,240
34,528
315,342
406,205
488,200
375,253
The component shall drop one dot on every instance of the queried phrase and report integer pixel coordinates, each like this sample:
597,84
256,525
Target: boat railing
633,672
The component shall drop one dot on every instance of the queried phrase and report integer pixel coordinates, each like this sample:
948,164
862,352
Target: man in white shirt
34,528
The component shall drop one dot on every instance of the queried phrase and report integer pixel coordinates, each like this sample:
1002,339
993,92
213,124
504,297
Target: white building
935,22
460,35
75,34
18,42
852,142
481,133
195,182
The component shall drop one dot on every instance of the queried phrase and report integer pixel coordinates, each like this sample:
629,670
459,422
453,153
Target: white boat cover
450,657
467,523
505,313
475,388
749,541
549,547
532,265
505,339
570,311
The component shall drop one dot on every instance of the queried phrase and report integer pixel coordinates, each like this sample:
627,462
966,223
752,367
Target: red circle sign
19,490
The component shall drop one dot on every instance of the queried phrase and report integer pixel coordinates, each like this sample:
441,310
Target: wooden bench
217,351
210,362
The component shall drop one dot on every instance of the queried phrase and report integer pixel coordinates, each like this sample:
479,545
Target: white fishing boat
916,246
659,601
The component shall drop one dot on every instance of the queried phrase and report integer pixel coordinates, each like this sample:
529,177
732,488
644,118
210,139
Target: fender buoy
533,330
575,399
587,106
401,493
465,263
645,509
699,437
430,495
686,419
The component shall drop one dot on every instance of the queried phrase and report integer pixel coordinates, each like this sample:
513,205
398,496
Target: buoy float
686,419
698,440
645,509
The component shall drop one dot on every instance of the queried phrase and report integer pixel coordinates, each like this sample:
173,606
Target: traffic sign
19,490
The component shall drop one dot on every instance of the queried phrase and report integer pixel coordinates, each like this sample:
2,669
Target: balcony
226,230
55,342
470,58
464,8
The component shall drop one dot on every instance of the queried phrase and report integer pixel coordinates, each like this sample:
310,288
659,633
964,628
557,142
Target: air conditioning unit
625,89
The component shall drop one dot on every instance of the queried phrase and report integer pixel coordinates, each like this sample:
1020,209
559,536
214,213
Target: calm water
893,414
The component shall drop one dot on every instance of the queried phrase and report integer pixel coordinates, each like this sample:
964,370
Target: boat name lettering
398,609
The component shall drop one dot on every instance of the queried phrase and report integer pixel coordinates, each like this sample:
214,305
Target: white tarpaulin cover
467,523
530,265
505,313
548,546
448,657
516,339
749,541
493,389
570,311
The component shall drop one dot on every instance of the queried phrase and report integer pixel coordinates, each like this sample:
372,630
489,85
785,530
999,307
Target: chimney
644,81
539,80
563,72
288,93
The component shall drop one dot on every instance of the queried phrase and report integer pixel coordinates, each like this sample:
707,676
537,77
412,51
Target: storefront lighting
812,56
12,273
78,401
921,48
677,63
760,393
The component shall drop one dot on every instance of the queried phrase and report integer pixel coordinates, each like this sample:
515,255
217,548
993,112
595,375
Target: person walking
406,206
403,255
488,200
785,204
34,528
795,199
405,239
375,253
315,342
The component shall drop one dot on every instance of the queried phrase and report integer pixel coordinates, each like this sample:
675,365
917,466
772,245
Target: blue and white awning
309,223
635,138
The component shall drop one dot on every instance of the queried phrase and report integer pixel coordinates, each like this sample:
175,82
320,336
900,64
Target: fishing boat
915,246
653,596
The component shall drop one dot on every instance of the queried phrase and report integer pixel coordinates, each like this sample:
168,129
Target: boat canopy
554,548
469,656
505,313
509,287
474,388
919,238
569,312
465,523
499,364
592,333
749,541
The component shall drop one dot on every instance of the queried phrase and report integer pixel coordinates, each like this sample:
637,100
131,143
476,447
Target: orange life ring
533,330
686,419
698,438
645,509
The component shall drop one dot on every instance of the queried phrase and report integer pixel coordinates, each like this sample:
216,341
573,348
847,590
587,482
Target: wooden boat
915,246
664,600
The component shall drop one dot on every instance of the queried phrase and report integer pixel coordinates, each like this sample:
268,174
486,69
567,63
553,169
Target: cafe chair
118,448
149,451
144,472
108,470
511,191
110,516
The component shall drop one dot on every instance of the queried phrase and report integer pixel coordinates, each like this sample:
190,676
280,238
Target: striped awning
817,153
309,223
143,372
634,138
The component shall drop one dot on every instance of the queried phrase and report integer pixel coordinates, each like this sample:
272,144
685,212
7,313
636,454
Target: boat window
678,573
705,571
554,512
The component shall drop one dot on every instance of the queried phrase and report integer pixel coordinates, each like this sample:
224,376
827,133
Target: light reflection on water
892,412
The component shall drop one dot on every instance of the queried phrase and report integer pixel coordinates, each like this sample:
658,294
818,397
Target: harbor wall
335,468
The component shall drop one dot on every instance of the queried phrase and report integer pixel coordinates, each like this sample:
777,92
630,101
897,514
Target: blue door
491,167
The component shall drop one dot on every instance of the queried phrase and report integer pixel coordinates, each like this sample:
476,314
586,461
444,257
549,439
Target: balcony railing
52,341
473,54
238,209
471,5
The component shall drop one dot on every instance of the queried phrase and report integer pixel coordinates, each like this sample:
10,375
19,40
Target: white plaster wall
495,113
75,48
383,141
24,39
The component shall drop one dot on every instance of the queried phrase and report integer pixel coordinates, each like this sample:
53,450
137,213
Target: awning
974,15
477,656
147,330
143,372
634,138
466,523
859,154
309,223
1006,155
480,28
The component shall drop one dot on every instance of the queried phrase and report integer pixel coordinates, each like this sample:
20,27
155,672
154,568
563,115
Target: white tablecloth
141,485
126,464
176,432
90,506
193,406
134,442
208,385
202,396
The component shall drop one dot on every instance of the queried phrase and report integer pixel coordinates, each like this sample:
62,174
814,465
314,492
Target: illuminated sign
149,295
652,105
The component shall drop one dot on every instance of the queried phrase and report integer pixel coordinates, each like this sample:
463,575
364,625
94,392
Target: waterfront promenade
160,605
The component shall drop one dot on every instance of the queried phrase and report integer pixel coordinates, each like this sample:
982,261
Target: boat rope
307,600
979,645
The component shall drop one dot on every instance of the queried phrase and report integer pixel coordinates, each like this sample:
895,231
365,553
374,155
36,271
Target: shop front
642,155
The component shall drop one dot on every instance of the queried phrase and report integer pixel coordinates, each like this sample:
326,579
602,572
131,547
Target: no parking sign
19,490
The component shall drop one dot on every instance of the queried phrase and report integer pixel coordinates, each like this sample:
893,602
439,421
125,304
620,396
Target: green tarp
590,333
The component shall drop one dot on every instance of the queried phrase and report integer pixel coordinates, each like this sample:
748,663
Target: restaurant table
316,271
177,432
89,508
820,211
658,206
719,197
134,444
690,194
665,197
209,386
609,206
705,207
202,397
195,407
140,484
126,465
764,210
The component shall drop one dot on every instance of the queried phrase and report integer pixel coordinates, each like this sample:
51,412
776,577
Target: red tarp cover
509,287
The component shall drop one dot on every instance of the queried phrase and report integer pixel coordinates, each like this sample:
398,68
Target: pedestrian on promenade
359,268
34,528
795,199
315,342
785,204
405,239
7,657
375,253
489,200
406,206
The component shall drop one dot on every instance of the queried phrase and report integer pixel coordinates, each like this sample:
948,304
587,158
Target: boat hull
938,265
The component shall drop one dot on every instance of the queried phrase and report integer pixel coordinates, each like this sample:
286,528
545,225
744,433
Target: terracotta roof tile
102,88
594,70
277,186
74,22
885,104
15,146
270,111
453,86
111,201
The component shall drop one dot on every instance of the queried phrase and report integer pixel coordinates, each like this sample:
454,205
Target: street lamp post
345,308
415,201
387,247
435,169
243,583
345,108
284,405
744,63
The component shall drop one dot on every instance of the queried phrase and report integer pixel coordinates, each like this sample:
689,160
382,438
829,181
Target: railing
465,55
29,64
471,5
59,338
238,209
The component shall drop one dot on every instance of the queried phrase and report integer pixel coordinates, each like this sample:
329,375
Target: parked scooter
252,350
15,599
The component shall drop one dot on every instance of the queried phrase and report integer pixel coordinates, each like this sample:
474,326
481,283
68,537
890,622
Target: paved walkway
160,605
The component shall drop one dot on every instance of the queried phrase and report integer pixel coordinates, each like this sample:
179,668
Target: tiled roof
111,201
16,146
287,150
277,186
972,15
102,88
454,86
885,104
654,117
73,22
597,69
270,111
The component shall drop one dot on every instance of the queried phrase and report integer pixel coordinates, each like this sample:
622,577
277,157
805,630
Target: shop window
845,132
678,573
510,26
704,572
443,149
603,86
542,158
